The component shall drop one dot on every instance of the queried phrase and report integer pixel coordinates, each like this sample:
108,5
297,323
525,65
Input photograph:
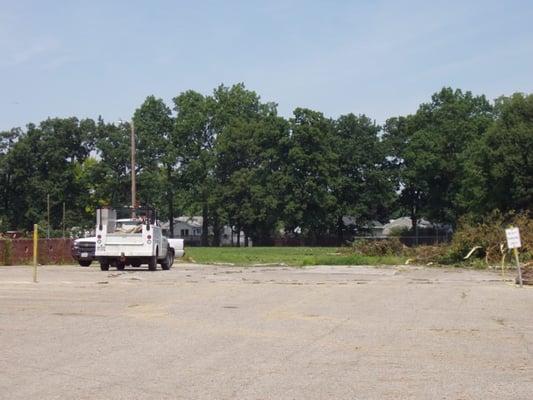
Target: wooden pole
515,251
133,182
35,249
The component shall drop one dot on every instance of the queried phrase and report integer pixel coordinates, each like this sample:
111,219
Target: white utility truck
133,239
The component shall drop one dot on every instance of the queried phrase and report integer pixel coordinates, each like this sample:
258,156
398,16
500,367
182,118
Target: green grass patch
294,256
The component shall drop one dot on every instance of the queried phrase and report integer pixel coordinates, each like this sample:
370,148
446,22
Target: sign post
514,242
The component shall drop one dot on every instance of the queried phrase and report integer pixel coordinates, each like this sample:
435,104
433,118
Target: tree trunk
311,237
238,236
340,231
262,238
205,226
414,222
216,232
6,198
246,239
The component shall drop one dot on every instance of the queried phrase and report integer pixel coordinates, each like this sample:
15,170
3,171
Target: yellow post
35,249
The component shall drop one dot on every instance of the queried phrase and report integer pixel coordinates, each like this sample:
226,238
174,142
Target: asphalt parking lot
214,332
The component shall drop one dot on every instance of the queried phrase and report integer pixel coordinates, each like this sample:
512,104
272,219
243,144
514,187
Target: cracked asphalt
264,332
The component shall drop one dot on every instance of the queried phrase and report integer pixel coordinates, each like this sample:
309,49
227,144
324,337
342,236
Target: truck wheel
171,263
152,263
85,263
104,265
168,261
120,266
135,264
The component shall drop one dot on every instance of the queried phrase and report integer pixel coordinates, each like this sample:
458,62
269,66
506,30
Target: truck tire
120,266
135,264
152,263
104,265
85,263
168,261
171,258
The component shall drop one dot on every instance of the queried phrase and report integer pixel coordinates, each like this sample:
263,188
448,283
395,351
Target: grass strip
294,256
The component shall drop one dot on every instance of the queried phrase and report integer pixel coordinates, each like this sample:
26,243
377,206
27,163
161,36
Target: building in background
190,230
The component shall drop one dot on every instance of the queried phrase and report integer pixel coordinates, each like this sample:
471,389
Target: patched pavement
266,332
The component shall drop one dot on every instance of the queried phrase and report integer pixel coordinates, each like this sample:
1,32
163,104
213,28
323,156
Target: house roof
348,220
404,223
194,221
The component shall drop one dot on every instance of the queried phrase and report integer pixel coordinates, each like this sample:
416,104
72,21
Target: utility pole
133,183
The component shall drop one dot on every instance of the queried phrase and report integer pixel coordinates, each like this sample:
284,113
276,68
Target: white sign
513,238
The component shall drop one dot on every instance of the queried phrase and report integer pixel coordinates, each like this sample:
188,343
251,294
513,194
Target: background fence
332,241
20,251
57,251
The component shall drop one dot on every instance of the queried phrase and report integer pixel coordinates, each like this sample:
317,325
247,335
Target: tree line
231,158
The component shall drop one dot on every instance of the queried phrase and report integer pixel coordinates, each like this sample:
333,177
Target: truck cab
83,250
134,238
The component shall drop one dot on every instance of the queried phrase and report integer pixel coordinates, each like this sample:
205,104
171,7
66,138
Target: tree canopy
230,157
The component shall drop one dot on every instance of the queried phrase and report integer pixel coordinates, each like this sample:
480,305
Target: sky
379,58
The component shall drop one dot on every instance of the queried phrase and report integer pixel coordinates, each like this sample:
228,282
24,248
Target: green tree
499,165
248,151
195,138
42,163
310,173
431,160
364,187
113,172
7,140
157,155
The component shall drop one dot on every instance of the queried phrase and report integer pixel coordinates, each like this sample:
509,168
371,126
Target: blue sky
380,58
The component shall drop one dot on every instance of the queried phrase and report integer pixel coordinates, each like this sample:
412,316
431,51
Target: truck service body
133,241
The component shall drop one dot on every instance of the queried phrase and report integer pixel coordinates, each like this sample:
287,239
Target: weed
7,251
379,247
490,235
